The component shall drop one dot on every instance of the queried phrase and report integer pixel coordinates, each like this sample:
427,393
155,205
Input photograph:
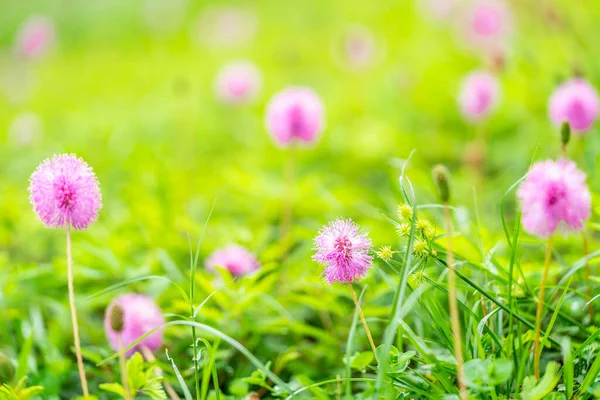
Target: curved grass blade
186,391
197,310
138,279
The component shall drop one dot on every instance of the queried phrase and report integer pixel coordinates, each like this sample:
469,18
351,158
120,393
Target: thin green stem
364,322
540,308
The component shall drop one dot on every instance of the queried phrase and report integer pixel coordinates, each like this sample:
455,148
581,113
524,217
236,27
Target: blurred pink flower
488,23
140,316
575,101
238,82
359,47
64,191
554,194
344,251
295,115
479,94
35,37
25,129
225,26
235,258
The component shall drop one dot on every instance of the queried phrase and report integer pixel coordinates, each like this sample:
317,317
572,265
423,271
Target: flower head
405,212
554,194
344,251
238,82
385,253
295,115
575,101
64,191
138,315
488,23
36,37
479,94
237,259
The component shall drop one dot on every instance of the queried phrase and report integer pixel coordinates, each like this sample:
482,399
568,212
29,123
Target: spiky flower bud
7,369
416,279
565,133
403,230
441,176
385,253
405,212
116,318
420,248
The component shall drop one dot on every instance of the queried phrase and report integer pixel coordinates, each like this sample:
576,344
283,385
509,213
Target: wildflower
416,279
344,251
64,192
423,225
359,47
554,194
235,258
295,115
576,102
441,177
138,316
479,94
238,82
35,37
403,230
385,253
420,248
405,212
488,23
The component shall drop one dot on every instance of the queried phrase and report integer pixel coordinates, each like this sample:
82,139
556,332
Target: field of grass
129,86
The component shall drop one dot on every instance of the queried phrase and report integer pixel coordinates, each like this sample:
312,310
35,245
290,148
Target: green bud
116,318
565,133
7,369
441,176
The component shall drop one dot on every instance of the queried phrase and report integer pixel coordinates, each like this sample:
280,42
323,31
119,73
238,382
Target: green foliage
142,379
19,391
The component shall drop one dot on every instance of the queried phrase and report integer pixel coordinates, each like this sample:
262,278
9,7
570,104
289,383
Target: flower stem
149,356
453,304
288,200
540,308
364,322
82,378
588,273
123,368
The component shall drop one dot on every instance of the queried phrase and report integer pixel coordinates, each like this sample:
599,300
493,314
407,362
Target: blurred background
131,87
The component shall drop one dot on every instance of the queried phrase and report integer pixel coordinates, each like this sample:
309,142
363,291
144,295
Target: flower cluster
424,232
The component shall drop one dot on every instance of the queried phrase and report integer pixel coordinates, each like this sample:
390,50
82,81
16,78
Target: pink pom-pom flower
238,82
479,94
575,101
35,37
64,191
140,315
488,23
554,194
235,258
295,115
344,251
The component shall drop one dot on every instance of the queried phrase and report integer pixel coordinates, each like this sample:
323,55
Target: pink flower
295,115
238,82
237,259
344,251
554,194
140,316
359,47
488,23
35,37
64,191
479,94
575,101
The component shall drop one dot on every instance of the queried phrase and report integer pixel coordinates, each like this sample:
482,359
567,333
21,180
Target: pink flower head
344,251
488,23
64,191
575,101
238,82
36,36
479,94
359,47
237,259
554,194
295,115
140,316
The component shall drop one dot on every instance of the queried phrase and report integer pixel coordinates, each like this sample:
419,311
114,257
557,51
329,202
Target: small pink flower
479,94
237,259
575,101
238,82
295,115
554,194
359,47
140,316
344,251
35,37
64,191
488,23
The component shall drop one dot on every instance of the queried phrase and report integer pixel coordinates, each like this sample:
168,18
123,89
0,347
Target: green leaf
544,386
113,388
361,360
